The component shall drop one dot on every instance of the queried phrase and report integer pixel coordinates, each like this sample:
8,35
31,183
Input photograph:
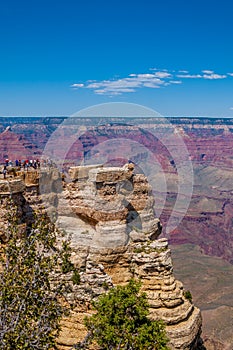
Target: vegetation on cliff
121,322
32,286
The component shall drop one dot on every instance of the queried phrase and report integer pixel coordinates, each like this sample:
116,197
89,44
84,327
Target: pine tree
31,286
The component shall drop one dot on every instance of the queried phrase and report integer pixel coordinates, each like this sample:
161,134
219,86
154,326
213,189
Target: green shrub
121,322
188,295
75,277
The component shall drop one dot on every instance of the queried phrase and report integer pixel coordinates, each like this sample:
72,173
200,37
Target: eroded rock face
93,282
116,208
114,201
114,237
12,194
153,264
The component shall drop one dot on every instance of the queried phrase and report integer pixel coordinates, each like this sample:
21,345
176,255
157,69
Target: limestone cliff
114,236
114,207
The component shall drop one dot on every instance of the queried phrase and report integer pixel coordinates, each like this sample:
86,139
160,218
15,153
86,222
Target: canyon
201,242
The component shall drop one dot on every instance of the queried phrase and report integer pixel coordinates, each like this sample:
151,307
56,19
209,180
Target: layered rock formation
115,207
15,146
166,295
114,236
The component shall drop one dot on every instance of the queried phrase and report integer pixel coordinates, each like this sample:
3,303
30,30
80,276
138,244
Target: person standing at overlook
4,172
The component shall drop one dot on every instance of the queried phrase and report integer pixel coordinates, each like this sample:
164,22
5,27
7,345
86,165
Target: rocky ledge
114,235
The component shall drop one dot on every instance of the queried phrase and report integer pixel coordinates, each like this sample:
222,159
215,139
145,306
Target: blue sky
60,56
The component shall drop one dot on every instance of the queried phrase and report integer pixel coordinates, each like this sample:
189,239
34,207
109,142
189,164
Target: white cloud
152,85
207,74
118,91
77,85
163,75
231,108
189,76
207,71
154,80
214,76
128,84
154,68
145,75
175,81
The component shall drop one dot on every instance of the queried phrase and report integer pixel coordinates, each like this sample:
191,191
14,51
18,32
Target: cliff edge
117,232
115,236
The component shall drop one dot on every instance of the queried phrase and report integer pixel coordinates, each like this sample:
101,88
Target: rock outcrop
114,236
115,207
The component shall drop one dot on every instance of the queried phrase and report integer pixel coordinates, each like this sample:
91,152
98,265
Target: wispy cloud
206,74
214,76
208,71
175,81
77,86
131,83
189,76
154,80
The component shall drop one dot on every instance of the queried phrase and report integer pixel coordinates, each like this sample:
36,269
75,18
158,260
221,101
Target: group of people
35,163
10,166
